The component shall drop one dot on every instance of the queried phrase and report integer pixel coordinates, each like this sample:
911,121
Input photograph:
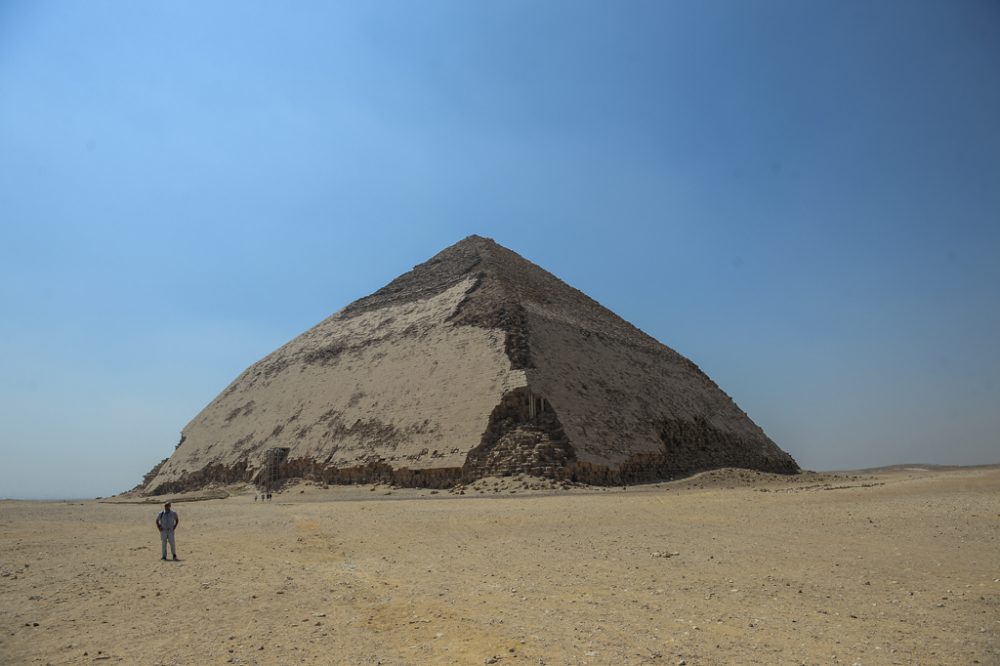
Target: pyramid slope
474,362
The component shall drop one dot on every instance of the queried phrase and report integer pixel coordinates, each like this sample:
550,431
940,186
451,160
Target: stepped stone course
474,363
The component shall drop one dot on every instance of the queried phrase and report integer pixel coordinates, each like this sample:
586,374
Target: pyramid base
640,468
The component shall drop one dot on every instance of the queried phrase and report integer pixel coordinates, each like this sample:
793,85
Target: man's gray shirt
168,519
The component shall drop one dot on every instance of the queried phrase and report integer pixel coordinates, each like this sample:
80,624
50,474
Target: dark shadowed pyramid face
475,363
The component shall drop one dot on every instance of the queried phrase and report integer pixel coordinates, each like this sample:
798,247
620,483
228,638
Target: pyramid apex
474,240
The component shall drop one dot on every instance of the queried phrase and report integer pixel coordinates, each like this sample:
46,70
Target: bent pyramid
475,363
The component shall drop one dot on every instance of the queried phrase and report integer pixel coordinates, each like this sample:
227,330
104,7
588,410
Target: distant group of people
263,496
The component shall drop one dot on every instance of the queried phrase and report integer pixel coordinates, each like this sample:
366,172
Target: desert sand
885,567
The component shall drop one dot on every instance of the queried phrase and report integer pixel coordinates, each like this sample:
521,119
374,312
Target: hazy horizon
801,199
167,496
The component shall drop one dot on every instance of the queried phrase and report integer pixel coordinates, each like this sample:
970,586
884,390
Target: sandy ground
891,567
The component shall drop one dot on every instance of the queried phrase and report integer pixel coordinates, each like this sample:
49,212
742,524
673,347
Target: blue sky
803,198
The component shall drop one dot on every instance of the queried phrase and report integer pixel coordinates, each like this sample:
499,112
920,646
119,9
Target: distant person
167,521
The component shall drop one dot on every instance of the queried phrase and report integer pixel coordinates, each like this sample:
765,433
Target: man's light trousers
165,536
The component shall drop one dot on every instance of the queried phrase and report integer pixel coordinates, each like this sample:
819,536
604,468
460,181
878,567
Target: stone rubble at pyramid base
514,447
638,469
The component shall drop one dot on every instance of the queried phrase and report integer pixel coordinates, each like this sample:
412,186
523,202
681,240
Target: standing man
167,521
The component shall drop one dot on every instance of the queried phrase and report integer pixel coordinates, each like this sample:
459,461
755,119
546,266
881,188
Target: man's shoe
164,557
175,558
